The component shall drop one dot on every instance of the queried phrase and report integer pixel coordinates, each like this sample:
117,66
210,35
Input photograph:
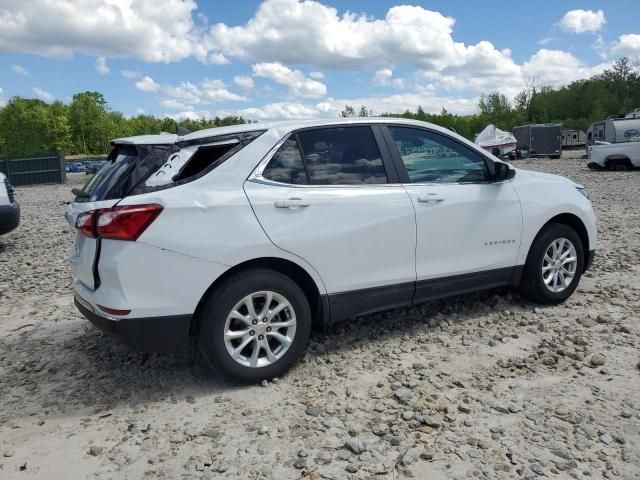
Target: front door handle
430,198
292,203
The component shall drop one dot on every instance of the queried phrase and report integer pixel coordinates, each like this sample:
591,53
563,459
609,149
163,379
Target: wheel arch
574,222
317,302
618,157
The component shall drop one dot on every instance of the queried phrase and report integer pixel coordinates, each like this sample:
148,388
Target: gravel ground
485,385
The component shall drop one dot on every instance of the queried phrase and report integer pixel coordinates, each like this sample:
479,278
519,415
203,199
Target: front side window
431,157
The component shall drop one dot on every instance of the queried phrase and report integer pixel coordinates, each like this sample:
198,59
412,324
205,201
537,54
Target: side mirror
503,172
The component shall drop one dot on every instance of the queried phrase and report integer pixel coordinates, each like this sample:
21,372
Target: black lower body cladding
151,334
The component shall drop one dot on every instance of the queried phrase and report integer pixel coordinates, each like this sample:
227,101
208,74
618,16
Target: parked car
614,156
74,167
242,236
9,207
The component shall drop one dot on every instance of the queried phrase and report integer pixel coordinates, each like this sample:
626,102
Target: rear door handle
292,203
430,198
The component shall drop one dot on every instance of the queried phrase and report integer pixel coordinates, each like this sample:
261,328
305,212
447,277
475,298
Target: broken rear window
136,169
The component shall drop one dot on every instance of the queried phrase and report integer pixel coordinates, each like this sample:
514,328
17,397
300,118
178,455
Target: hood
549,177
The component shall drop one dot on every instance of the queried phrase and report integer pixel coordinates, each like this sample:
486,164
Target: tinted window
434,158
286,165
342,156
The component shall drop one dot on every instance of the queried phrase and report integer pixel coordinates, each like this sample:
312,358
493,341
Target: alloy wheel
260,329
559,265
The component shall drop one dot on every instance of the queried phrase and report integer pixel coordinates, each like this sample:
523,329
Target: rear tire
554,265
619,164
255,309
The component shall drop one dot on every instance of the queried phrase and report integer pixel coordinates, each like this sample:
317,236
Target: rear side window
137,169
328,156
286,165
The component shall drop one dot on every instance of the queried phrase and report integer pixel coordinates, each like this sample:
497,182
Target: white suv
9,207
243,236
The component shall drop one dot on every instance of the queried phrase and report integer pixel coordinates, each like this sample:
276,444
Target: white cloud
317,75
188,95
130,73
140,111
20,70
147,84
292,32
125,28
555,68
600,47
627,46
3,99
582,21
101,66
545,41
44,95
295,81
244,81
383,77
217,59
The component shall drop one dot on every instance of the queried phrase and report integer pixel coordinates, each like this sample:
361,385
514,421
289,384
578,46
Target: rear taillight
119,223
86,223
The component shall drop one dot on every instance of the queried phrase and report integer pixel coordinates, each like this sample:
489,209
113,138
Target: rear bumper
9,217
150,334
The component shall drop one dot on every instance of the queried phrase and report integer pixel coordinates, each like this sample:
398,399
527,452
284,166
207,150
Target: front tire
254,326
554,265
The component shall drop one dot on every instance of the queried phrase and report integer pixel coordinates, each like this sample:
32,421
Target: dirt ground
485,385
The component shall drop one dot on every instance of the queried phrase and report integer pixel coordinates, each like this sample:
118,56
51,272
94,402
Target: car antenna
181,131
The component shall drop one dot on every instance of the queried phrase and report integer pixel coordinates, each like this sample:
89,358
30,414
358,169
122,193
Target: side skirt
361,302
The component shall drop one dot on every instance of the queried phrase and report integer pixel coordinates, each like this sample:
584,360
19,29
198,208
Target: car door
468,227
331,196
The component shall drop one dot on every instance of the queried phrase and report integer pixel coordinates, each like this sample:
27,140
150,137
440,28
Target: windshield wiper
78,192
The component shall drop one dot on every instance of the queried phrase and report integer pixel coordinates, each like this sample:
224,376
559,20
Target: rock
380,429
300,463
264,383
190,399
8,453
263,430
352,468
537,469
566,465
606,439
199,467
313,411
597,359
355,446
407,415
403,396
426,454
94,450
464,408
549,360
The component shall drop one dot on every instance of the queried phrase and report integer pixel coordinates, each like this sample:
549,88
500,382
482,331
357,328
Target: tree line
86,125
616,91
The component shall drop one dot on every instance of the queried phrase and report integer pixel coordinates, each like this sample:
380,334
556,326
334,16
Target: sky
284,59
